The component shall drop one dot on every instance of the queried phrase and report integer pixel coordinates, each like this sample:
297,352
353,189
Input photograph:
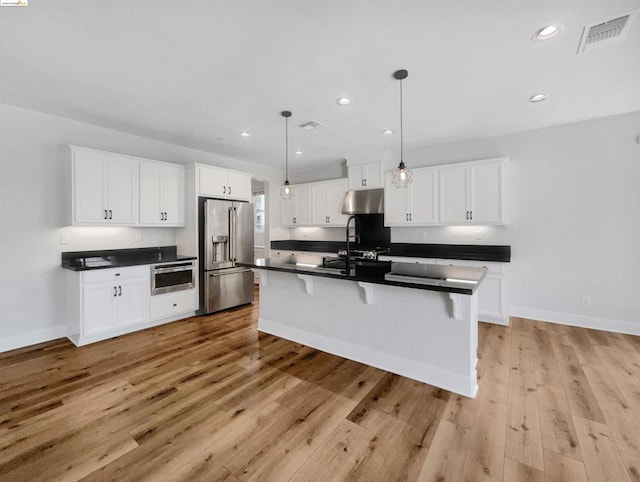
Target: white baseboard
425,373
14,342
583,321
493,319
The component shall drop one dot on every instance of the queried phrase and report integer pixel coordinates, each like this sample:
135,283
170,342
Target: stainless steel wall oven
168,277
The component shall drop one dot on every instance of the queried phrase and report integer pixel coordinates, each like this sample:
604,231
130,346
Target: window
258,202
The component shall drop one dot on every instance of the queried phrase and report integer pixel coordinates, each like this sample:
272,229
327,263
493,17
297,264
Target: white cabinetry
104,303
327,198
161,194
112,299
223,183
105,188
472,193
492,293
416,205
297,210
366,176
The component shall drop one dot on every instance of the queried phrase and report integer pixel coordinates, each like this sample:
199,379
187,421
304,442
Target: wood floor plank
517,472
582,401
601,458
559,468
523,435
486,443
444,464
556,423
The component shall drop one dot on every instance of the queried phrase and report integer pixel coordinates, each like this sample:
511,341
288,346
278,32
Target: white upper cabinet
472,193
161,194
105,188
327,198
366,176
416,205
222,183
297,210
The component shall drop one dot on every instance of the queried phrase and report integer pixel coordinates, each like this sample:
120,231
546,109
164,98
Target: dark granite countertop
118,258
470,252
451,279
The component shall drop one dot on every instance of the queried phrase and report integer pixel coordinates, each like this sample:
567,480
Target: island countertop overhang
449,279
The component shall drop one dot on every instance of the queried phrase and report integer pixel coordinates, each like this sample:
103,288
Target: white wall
34,192
573,208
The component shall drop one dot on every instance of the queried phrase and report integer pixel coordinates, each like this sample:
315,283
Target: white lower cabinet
492,294
109,302
170,304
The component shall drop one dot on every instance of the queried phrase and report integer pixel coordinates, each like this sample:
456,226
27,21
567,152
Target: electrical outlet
585,300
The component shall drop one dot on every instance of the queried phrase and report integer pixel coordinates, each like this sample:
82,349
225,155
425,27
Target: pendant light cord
286,149
401,132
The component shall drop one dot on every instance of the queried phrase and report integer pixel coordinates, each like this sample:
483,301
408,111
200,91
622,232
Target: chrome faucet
356,238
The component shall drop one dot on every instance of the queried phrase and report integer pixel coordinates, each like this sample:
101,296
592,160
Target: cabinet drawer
172,304
115,273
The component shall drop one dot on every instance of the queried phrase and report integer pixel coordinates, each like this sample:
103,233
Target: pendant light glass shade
402,176
286,191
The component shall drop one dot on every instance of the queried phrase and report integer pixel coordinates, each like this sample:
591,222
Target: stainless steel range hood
369,201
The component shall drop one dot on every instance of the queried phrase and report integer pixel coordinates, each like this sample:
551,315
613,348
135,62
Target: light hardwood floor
211,399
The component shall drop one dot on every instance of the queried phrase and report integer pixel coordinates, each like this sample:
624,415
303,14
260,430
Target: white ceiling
198,72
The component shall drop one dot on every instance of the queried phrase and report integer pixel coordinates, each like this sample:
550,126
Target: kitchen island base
429,336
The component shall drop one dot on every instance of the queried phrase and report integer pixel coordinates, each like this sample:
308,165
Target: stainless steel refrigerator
226,229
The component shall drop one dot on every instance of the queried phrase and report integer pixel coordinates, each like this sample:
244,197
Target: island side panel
406,331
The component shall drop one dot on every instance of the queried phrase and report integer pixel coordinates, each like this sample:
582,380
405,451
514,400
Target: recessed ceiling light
547,32
244,134
344,101
538,97
298,152
387,132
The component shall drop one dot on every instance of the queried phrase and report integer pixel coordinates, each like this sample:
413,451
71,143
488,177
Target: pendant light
402,176
286,191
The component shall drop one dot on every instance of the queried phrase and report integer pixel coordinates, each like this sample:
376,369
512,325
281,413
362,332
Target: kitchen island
416,320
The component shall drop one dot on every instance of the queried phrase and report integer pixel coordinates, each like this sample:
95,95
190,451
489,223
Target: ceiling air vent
606,33
311,125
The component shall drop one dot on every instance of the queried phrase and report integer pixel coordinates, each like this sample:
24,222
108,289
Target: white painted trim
425,373
583,321
104,335
493,319
14,342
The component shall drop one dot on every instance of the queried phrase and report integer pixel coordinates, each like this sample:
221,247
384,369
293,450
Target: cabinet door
122,190
423,199
453,195
213,182
336,191
373,175
396,212
491,302
98,307
239,186
319,202
132,301
288,212
151,193
356,176
173,195
302,196
89,187
485,190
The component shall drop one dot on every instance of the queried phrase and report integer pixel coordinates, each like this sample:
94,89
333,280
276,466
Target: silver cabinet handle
328,219
110,214
365,182
224,189
229,188
119,290
106,216
410,214
362,182
115,291
406,216
467,214
470,214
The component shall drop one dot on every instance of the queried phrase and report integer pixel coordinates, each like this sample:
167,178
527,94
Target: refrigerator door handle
232,234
